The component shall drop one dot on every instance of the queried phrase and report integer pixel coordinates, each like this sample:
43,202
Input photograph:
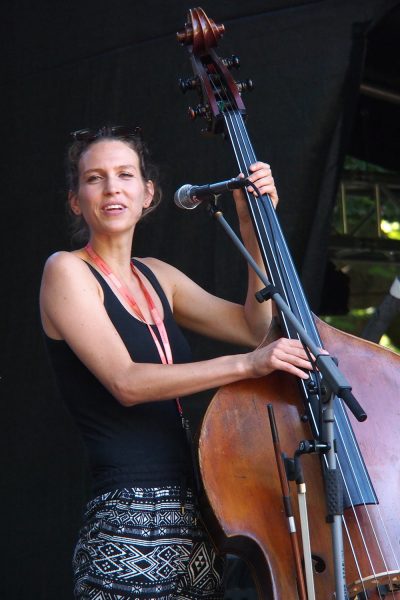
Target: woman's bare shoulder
63,260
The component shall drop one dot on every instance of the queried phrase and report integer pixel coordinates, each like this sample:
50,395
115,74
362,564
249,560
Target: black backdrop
72,65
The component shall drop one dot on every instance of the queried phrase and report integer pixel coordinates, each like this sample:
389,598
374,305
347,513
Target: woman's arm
72,309
197,310
258,315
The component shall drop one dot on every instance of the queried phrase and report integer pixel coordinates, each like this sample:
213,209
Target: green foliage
354,164
392,229
361,209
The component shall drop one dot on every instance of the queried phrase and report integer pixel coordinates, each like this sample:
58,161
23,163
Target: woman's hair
84,139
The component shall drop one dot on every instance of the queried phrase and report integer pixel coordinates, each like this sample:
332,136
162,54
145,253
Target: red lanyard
165,350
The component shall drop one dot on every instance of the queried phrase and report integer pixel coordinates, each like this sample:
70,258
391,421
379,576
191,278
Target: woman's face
112,193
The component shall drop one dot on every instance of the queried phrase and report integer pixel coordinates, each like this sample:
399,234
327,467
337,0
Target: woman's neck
116,253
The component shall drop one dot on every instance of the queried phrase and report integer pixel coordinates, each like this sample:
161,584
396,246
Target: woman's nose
111,185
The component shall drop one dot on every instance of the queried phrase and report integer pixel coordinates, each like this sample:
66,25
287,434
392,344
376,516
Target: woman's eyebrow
102,168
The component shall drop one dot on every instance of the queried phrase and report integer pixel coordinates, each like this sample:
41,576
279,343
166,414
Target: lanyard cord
164,350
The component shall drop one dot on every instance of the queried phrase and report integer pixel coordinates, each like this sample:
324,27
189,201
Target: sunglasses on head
89,135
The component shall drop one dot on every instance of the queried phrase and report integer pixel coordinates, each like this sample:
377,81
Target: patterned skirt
138,543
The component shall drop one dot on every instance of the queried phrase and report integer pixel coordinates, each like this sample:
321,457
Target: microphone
189,196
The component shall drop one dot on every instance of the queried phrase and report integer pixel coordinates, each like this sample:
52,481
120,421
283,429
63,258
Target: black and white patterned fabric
138,543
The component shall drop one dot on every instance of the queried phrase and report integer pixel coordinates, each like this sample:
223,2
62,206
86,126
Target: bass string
245,157
289,285
266,214
234,123
240,140
262,211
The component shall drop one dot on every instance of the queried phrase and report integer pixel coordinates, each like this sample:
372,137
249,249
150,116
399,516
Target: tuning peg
199,111
245,86
190,83
186,35
232,63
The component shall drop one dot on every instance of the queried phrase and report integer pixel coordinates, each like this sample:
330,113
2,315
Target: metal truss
365,201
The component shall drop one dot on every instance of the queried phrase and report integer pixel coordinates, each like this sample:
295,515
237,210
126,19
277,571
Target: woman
112,328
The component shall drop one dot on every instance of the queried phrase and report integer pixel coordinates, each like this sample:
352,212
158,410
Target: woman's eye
93,178
126,174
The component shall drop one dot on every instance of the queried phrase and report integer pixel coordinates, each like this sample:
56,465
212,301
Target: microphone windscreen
183,199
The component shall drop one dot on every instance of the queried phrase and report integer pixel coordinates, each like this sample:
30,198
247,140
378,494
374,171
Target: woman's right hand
281,355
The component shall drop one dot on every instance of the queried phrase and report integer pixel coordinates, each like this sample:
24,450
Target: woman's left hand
261,176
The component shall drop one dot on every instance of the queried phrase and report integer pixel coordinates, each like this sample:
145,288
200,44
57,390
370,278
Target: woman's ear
149,194
74,203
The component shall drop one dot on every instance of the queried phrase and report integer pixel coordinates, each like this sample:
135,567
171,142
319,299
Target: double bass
236,449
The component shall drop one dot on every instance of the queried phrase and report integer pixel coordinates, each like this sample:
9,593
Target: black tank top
142,445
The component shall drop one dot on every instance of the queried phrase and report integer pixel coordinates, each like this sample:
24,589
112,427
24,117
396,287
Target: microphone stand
336,384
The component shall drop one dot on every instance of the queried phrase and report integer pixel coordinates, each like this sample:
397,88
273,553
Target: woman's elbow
134,385
122,391
256,337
